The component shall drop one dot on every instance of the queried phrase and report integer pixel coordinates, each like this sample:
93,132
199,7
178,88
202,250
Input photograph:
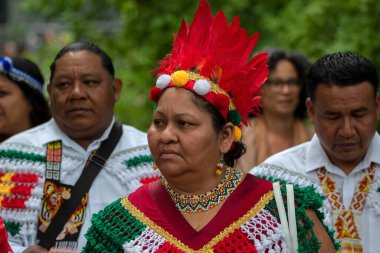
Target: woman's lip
168,155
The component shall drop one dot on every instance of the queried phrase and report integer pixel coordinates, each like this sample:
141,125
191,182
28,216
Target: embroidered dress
148,221
22,178
357,195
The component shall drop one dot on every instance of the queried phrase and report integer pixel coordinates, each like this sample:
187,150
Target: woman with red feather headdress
4,245
205,90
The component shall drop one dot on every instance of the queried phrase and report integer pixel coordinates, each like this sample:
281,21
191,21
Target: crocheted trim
12,228
272,171
373,199
14,154
148,239
265,199
132,167
106,232
136,161
265,232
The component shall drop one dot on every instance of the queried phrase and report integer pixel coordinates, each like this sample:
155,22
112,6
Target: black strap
93,166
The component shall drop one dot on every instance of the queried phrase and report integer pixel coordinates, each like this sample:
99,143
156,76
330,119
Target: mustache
346,140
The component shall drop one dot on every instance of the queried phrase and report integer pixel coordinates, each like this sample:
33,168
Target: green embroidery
14,154
12,227
133,162
111,228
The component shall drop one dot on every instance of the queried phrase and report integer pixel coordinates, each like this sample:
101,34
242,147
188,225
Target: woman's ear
227,137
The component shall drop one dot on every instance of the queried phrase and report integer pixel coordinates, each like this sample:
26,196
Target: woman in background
22,103
281,124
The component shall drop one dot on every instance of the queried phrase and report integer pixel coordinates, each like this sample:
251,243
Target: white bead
163,81
202,87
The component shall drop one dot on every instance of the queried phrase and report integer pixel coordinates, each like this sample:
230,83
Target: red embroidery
347,231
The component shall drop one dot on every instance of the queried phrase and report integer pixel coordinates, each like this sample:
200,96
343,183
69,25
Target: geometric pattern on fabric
103,237
21,190
174,242
238,241
148,241
264,231
347,223
167,247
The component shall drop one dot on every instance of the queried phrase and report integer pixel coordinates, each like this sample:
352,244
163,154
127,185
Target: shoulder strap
93,166
290,227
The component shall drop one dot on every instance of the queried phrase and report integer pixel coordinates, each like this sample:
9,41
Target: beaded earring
154,166
219,167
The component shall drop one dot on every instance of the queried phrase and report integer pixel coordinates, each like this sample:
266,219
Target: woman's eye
184,124
157,122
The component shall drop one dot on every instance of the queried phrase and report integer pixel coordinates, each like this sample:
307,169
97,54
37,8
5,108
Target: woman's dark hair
84,46
341,69
238,148
302,65
40,112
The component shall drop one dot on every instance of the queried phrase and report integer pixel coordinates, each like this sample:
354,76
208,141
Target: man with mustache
44,169
343,158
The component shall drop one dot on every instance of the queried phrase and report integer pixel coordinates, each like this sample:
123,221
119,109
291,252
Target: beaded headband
211,59
7,68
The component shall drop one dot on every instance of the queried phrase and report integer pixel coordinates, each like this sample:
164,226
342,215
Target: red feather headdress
211,58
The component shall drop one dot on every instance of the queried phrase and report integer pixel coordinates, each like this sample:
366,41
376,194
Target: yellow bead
237,134
180,78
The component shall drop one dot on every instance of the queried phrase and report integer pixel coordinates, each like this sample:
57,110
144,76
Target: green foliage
137,34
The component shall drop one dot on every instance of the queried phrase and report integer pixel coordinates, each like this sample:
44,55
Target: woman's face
181,137
14,108
281,91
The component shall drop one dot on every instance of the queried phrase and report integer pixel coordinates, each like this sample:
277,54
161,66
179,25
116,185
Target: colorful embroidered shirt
300,165
148,221
22,175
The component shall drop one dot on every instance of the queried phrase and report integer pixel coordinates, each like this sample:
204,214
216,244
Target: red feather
220,52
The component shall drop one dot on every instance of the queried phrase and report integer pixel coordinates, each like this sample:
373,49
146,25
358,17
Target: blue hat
7,68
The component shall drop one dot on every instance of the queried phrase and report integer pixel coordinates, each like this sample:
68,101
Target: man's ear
117,85
227,137
310,110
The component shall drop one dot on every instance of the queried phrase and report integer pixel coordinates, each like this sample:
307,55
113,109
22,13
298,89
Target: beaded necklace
206,201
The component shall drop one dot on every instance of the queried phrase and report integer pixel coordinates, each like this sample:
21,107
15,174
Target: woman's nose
169,134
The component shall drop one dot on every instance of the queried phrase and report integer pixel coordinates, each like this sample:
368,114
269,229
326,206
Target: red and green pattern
121,227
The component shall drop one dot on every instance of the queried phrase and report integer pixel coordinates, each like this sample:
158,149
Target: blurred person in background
22,102
281,123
